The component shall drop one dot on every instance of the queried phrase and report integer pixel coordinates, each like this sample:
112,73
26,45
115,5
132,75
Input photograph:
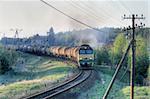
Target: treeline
7,59
112,54
90,36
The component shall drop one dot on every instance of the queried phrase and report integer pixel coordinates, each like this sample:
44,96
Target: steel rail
52,88
81,77
84,77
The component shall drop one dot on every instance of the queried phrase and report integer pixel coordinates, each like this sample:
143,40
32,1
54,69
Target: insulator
141,15
136,25
129,27
136,15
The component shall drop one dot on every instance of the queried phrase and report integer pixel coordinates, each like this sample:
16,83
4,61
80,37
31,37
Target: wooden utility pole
133,59
132,76
116,72
133,45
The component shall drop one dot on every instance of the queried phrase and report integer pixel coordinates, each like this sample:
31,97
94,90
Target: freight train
83,55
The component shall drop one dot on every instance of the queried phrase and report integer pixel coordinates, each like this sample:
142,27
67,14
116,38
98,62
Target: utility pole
116,72
16,36
132,76
16,32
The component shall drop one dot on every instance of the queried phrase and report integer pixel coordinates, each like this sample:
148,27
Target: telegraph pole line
133,47
116,72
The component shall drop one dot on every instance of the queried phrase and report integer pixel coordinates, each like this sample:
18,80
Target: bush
118,49
102,56
7,59
142,61
116,52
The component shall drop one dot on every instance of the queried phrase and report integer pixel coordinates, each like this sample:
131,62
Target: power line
85,11
109,16
71,16
118,8
133,18
125,7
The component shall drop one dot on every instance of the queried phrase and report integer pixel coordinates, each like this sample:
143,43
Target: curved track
81,77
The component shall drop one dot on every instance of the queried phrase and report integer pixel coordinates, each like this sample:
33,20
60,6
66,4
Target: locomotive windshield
82,52
86,52
89,51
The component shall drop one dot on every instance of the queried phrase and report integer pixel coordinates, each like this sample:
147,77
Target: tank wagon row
83,54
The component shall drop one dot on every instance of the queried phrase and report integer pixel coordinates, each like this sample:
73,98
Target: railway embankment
32,74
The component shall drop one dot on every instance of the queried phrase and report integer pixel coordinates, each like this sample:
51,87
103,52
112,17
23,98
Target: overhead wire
123,5
106,14
127,9
71,16
120,9
85,12
90,12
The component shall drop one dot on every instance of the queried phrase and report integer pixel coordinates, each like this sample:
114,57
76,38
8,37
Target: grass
120,89
19,89
99,88
39,73
139,93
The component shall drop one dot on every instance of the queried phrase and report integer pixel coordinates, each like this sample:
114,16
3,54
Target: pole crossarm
134,26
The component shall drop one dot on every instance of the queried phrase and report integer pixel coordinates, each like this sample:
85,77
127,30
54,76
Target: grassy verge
35,73
99,88
120,89
139,93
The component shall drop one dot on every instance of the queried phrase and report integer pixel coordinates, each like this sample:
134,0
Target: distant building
35,40
51,37
38,40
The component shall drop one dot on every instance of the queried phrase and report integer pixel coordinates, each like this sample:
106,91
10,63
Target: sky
33,16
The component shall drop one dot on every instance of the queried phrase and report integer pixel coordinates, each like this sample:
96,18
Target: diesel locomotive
83,55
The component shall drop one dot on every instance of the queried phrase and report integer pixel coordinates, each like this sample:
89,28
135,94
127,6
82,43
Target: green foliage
116,52
144,32
118,49
7,58
102,56
140,93
142,60
119,44
40,73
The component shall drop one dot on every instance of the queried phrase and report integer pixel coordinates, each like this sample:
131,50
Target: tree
118,49
102,56
142,60
7,59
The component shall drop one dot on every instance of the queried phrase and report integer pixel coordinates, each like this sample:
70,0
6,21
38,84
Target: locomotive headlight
90,57
80,58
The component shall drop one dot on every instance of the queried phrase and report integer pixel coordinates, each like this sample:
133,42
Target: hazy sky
34,17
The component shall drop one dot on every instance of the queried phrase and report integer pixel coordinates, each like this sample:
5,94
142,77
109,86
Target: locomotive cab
86,57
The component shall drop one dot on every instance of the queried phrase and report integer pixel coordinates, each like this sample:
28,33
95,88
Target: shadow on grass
16,77
42,73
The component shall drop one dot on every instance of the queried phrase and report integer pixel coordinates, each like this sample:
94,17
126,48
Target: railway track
49,93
